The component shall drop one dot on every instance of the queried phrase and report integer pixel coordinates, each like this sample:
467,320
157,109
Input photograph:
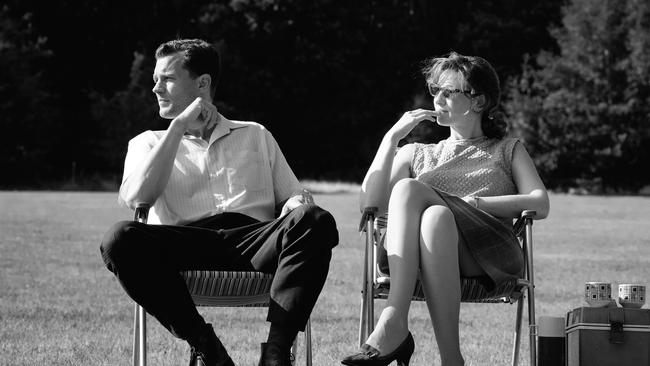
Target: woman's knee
406,187
438,215
438,220
409,191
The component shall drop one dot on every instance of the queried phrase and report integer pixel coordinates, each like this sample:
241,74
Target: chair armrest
369,213
141,212
520,224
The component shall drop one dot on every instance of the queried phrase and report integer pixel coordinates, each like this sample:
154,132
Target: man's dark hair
199,57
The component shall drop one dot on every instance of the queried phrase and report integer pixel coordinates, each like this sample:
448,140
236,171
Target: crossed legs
422,236
296,248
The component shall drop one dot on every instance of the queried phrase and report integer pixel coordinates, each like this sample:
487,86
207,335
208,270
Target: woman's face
452,98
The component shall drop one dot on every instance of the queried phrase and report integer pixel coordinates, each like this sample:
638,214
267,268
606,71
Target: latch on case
616,321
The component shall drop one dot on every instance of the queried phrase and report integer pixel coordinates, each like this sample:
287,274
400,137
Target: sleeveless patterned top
472,167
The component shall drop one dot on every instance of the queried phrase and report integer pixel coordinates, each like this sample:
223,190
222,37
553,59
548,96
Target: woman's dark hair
478,76
199,57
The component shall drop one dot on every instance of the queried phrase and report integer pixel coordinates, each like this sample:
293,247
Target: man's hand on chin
198,117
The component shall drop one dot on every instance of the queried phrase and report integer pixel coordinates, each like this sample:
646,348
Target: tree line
327,78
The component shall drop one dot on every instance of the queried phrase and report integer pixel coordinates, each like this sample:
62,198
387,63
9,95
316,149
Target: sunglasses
447,93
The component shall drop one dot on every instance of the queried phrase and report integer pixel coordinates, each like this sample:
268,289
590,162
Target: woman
450,206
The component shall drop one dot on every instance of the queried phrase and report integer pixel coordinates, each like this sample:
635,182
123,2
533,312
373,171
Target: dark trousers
296,249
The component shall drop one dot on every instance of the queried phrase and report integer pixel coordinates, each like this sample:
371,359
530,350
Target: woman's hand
408,122
472,200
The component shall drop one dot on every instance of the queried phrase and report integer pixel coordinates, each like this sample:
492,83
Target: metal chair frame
375,286
259,299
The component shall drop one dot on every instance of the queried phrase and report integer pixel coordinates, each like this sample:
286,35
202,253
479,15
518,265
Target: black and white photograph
326,182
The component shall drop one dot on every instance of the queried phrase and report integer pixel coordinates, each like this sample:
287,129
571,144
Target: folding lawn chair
216,289
376,285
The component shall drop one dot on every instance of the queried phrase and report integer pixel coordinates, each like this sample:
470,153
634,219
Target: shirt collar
223,128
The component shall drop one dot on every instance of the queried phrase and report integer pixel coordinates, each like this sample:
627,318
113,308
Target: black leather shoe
274,355
369,356
209,351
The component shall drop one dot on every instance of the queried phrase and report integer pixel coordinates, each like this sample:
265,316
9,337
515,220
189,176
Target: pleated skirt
490,240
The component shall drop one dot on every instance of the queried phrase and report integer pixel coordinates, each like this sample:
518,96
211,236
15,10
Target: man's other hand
304,198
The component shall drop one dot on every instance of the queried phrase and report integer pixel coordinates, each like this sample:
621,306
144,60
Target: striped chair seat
228,288
472,290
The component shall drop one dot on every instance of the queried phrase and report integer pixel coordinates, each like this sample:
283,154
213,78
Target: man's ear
205,82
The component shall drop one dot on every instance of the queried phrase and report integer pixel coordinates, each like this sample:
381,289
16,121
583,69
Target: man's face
173,86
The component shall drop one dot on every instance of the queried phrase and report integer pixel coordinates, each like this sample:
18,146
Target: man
215,185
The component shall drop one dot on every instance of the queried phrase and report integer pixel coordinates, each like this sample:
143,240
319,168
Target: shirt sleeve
139,147
285,183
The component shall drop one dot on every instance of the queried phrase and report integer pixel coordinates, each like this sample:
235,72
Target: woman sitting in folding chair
450,206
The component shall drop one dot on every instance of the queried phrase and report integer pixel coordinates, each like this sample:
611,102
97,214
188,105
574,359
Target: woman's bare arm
532,193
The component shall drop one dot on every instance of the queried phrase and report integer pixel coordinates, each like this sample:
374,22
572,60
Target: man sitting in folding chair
215,185
450,207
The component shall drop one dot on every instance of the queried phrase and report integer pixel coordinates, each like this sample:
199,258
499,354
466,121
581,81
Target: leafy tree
327,77
27,104
503,31
124,115
584,112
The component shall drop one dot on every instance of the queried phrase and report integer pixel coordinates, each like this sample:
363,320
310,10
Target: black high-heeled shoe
369,356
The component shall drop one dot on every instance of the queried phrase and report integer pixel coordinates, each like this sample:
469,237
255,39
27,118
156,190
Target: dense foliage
585,112
326,77
25,98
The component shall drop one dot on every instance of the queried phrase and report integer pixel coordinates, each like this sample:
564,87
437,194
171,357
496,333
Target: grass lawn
60,306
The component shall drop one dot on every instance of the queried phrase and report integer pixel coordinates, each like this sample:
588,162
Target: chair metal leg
294,347
532,324
140,317
362,319
517,340
367,318
366,323
308,343
136,331
139,336
370,325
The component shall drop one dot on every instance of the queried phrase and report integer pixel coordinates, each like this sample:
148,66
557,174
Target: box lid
603,318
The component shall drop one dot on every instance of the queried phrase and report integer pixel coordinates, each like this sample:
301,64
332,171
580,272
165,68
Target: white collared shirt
241,169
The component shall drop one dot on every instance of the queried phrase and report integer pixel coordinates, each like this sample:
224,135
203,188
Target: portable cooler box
608,337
